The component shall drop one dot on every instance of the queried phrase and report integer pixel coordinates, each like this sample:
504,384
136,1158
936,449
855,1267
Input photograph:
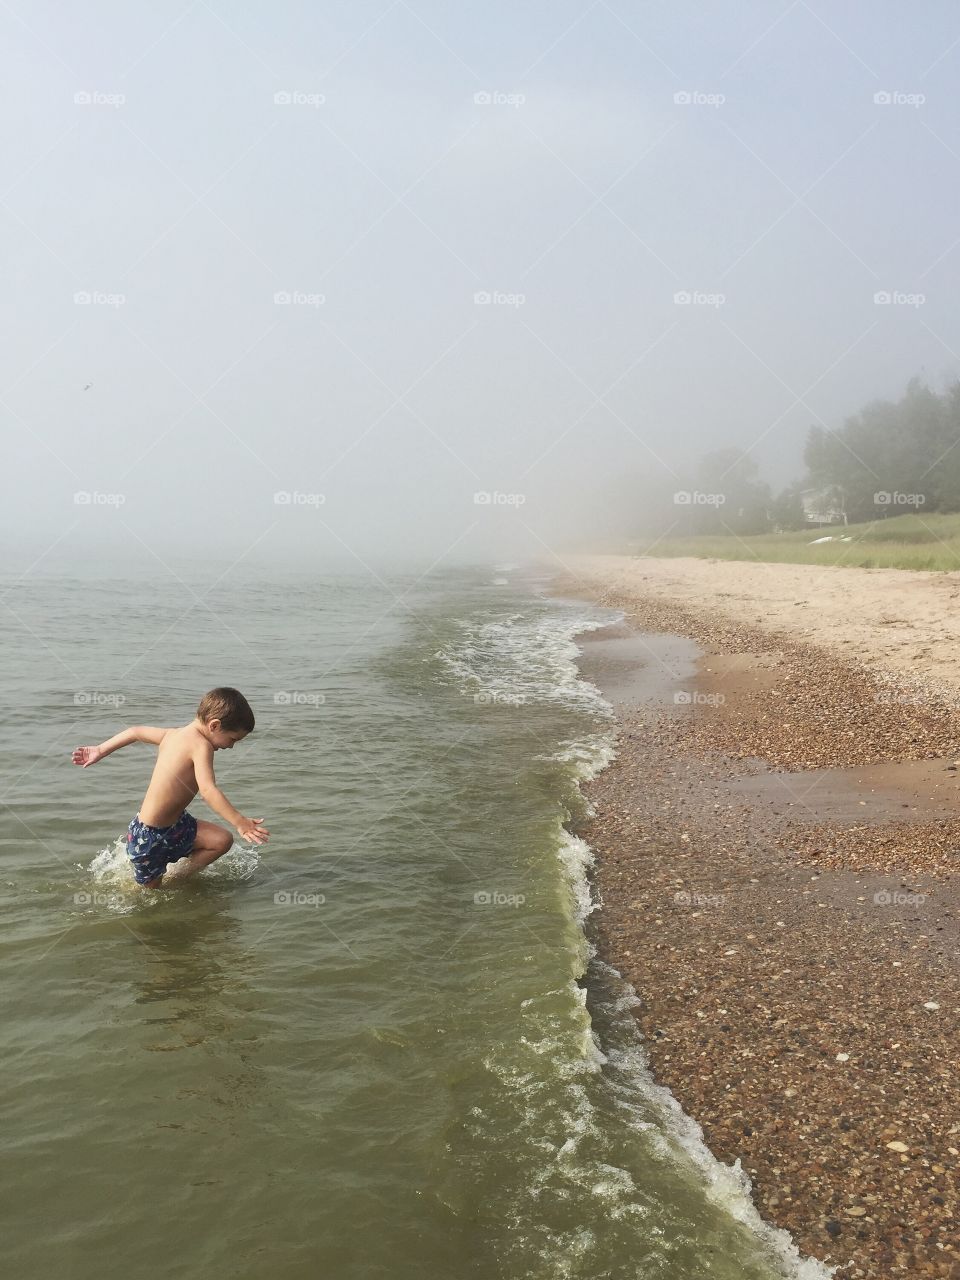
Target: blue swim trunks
152,849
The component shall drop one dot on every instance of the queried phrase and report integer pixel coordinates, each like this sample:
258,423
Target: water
380,1045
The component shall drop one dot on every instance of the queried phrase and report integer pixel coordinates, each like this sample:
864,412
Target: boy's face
223,739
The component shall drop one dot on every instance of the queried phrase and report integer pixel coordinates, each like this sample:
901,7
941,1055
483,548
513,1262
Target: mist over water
351,284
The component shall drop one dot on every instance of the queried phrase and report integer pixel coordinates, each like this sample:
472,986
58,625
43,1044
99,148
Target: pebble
813,1141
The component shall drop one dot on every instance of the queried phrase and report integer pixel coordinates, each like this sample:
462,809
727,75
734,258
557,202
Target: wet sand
777,847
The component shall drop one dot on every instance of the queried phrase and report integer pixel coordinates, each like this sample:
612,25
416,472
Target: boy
164,831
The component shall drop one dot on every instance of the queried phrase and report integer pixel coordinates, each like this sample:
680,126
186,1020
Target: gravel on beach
799,980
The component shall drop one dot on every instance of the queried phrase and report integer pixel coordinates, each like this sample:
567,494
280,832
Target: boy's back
174,781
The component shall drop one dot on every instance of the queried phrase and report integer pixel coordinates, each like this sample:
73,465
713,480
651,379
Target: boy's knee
226,842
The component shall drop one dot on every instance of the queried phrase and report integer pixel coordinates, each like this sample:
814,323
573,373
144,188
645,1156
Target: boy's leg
211,843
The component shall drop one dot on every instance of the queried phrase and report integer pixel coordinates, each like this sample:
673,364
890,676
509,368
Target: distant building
823,506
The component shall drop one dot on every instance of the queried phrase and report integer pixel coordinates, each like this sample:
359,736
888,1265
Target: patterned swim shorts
152,849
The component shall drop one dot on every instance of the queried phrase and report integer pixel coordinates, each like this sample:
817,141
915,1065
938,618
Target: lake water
380,1045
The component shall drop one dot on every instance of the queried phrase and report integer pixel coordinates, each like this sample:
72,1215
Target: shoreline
776,873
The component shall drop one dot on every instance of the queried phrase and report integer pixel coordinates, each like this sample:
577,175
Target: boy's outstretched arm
85,756
251,829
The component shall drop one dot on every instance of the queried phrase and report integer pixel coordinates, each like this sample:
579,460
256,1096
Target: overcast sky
381,164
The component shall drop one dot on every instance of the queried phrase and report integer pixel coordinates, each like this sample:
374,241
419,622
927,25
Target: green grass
899,542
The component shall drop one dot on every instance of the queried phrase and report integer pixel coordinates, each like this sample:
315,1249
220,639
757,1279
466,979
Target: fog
340,284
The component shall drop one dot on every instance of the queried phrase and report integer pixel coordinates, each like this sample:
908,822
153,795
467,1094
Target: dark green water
379,1046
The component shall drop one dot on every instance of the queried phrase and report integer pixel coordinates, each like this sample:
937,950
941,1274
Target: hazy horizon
246,246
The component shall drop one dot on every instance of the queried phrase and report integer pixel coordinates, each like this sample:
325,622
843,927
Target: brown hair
230,707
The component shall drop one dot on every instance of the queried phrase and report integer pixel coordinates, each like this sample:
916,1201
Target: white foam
576,857
112,867
515,659
727,1186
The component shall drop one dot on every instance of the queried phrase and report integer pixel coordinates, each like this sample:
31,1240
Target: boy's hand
87,755
252,830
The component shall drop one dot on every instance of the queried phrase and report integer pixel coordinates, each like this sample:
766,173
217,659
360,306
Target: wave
612,1047
520,658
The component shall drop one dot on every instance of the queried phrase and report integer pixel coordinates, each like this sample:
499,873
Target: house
823,506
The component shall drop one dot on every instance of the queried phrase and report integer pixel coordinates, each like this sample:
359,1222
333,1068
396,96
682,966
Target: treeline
888,459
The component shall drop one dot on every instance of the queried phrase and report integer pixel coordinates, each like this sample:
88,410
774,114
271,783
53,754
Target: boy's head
226,717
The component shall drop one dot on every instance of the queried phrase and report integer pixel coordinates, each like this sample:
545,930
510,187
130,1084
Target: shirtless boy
164,831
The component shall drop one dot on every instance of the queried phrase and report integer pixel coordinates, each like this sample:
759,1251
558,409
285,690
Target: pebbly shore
777,858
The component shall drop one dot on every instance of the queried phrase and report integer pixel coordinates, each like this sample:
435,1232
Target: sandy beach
777,847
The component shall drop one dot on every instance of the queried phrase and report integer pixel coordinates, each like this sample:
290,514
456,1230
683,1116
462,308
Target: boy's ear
214,725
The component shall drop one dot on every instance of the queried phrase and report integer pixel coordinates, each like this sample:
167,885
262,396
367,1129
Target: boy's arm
85,756
248,828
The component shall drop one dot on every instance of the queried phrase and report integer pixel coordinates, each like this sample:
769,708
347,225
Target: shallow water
379,1045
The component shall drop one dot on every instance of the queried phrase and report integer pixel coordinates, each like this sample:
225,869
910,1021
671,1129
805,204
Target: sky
372,282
